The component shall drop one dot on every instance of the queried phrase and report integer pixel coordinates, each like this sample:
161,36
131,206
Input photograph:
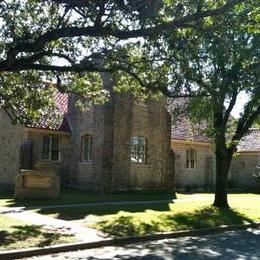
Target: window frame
50,148
189,163
141,153
89,146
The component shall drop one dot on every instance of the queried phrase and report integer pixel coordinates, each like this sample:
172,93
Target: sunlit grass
16,234
190,213
180,216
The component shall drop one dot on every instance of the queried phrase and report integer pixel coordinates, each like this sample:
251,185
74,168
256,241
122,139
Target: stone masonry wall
62,165
10,140
242,168
112,125
87,174
202,177
149,120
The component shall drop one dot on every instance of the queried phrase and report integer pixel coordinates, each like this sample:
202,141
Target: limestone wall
10,140
112,125
242,167
203,175
62,166
91,122
149,120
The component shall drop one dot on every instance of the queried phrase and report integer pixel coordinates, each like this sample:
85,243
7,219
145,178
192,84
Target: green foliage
215,61
25,96
64,38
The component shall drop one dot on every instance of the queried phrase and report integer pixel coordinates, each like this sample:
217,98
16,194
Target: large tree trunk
223,161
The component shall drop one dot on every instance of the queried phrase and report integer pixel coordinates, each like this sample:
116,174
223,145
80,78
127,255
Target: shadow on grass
78,196
28,236
82,212
130,225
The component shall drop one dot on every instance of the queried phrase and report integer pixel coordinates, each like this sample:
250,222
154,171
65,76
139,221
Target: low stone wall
37,184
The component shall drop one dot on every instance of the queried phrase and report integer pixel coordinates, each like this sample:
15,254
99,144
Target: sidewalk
83,234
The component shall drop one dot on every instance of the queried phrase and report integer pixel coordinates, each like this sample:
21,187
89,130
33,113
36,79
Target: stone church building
121,145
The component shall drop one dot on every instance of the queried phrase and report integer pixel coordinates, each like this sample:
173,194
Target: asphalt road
229,245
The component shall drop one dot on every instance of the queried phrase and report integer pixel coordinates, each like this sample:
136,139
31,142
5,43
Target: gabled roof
250,142
184,130
56,119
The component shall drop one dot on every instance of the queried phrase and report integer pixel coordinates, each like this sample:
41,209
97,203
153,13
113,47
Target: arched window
190,158
86,147
138,147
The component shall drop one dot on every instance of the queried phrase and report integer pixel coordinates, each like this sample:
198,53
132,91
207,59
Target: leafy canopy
42,40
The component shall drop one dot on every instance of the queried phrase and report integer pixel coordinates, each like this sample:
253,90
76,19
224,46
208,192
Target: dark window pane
187,164
46,148
192,164
190,158
138,150
55,148
55,144
87,148
55,155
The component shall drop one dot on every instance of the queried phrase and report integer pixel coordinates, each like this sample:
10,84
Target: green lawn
15,234
75,196
151,218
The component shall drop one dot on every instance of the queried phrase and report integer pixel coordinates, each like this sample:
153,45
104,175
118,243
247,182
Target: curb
16,254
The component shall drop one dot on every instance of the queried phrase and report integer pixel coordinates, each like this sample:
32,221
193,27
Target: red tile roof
55,120
184,130
250,142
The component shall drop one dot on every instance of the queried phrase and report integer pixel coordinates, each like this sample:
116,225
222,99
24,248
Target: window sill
86,162
139,164
49,161
190,169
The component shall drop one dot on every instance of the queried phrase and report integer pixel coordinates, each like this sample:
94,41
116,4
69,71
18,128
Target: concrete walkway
81,233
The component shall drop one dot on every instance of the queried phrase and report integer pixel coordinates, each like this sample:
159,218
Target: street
243,244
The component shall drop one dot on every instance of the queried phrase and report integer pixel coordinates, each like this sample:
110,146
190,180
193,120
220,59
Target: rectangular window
51,148
86,148
138,148
190,159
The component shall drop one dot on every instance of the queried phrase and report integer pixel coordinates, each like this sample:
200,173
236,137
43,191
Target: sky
239,106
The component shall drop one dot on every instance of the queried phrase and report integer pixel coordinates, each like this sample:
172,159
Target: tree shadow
27,233
78,196
228,245
207,217
129,225
77,213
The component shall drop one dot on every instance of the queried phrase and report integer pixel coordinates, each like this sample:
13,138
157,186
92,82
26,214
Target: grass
180,216
75,197
15,234
151,218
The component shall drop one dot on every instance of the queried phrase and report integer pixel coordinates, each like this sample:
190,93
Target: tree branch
120,34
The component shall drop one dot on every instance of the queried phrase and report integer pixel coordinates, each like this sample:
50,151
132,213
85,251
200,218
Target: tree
62,38
203,49
215,62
